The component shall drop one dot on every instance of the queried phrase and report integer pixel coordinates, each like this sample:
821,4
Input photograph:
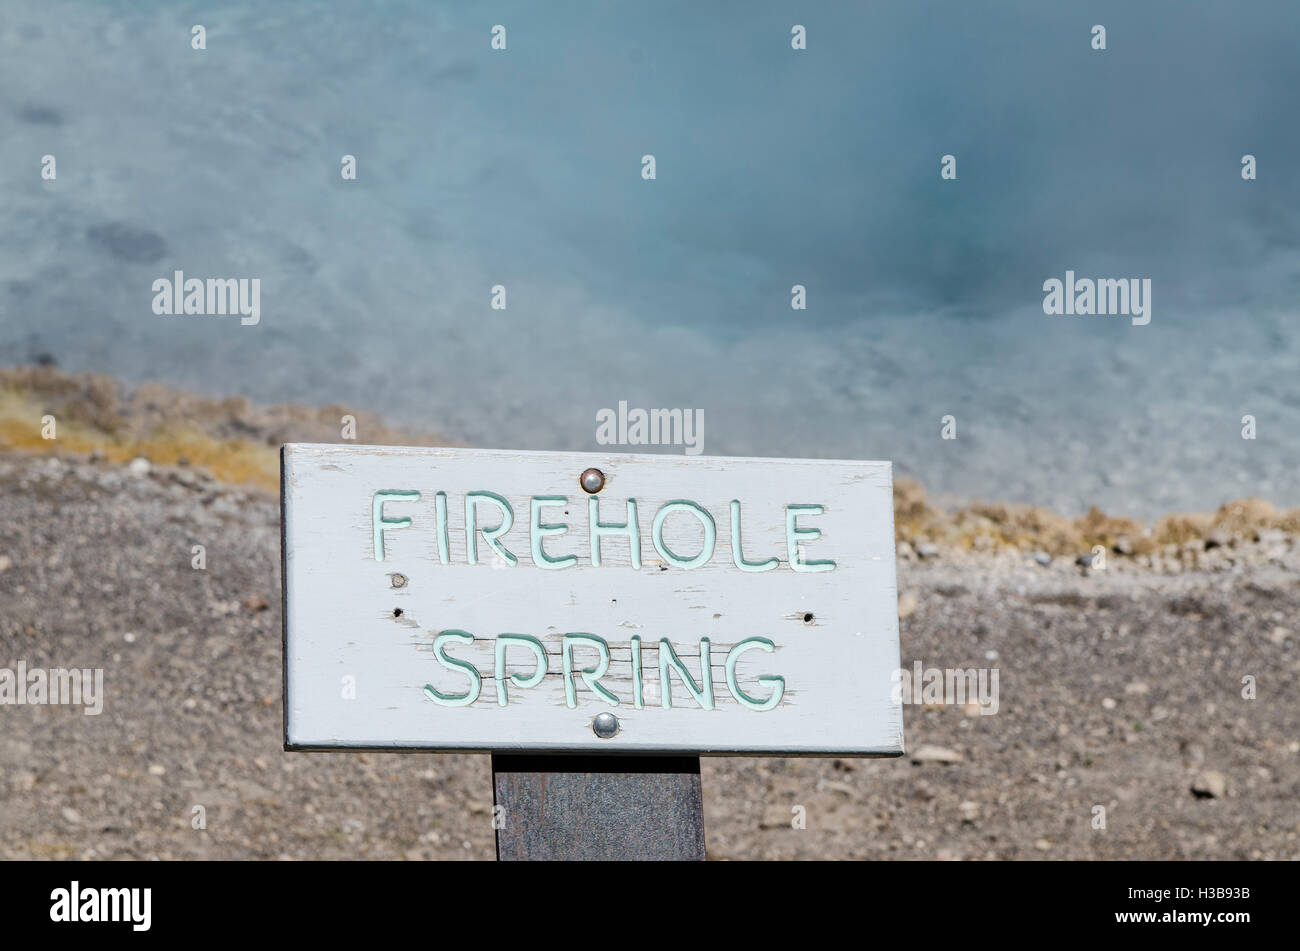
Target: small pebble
907,604
1209,784
936,754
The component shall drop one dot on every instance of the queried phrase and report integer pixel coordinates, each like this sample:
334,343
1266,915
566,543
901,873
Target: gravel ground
1119,688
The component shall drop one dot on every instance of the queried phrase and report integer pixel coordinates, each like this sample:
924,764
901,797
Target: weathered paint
796,609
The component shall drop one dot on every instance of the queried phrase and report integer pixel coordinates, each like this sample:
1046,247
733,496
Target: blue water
522,167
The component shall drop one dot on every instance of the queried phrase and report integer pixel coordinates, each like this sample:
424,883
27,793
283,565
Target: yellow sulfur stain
233,461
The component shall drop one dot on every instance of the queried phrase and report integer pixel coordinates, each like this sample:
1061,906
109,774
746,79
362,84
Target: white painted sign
465,599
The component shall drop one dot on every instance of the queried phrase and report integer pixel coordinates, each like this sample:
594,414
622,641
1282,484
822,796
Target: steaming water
523,168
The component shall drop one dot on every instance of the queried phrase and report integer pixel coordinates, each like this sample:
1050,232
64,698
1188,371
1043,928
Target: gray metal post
598,807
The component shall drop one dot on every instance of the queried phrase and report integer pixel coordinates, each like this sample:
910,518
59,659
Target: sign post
599,807
630,612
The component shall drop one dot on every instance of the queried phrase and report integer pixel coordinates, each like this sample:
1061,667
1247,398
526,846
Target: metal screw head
605,725
398,580
592,481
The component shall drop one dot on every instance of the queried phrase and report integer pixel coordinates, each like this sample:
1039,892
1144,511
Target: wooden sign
458,599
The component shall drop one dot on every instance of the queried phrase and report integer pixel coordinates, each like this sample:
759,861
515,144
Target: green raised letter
380,523
710,533
736,555
539,652
590,675
631,528
537,531
778,683
703,694
490,534
638,682
451,663
793,534
440,509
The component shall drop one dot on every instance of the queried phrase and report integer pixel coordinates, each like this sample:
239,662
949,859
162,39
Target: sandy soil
1120,688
